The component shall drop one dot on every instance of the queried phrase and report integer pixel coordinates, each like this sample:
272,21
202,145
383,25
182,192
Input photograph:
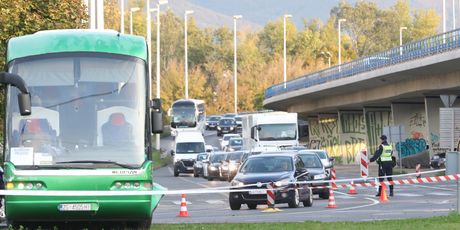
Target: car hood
252,178
216,164
315,171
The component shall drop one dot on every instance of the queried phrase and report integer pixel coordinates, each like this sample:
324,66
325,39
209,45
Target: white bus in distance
187,115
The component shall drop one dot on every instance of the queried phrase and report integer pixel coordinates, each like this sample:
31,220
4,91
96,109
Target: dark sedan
215,160
226,125
283,169
212,122
316,172
230,165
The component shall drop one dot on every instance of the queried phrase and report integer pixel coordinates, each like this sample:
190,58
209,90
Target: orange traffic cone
383,194
352,190
331,203
183,207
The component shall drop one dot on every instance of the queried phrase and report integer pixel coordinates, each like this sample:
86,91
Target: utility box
452,164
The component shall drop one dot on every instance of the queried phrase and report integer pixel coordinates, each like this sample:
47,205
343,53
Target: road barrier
352,190
333,178
383,194
344,183
364,164
417,170
331,203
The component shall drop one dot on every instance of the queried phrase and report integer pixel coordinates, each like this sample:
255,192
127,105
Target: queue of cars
297,172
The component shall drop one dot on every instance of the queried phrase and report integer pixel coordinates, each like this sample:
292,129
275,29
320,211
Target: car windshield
277,132
235,156
228,137
236,142
213,119
311,161
321,154
201,157
226,122
267,164
217,158
190,147
85,107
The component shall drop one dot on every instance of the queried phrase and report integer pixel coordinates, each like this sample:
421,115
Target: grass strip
451,221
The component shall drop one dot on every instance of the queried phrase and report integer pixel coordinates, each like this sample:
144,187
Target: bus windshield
85,108
183,117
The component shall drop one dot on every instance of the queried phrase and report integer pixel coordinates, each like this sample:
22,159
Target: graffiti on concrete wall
411,146
324,131
353,135
417,120
375,121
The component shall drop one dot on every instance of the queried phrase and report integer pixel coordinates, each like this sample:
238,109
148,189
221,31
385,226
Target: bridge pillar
413,117
433,104
375,118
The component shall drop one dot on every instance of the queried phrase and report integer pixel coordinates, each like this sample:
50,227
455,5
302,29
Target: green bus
84,122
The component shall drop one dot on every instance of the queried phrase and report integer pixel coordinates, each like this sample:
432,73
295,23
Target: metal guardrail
414,50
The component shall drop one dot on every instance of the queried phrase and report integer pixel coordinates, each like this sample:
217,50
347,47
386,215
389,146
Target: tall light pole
161,2
400,38
328,55
131,11
284,48
235,63
122,17
186,48
444,19
340,41
453,15
149,43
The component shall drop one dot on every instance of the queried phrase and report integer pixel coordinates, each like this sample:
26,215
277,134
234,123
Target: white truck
268,131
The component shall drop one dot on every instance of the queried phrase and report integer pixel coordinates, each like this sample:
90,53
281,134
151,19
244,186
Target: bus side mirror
156,116
24,97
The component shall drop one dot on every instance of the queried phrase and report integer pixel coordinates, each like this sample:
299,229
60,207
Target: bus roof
187,101
78,40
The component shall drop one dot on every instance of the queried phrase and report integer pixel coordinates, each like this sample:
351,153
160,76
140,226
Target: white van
187,146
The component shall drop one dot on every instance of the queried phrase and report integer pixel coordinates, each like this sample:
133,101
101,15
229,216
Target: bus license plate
257,192
75,207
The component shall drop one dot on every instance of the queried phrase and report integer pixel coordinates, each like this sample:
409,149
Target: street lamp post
235,67
328,55
161,2
453,15
186,48
284,47
400,39
122,17
131,11
340,41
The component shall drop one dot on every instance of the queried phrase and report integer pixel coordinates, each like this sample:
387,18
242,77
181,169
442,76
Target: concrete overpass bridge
347,106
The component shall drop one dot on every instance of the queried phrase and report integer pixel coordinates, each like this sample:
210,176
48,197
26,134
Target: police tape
259,188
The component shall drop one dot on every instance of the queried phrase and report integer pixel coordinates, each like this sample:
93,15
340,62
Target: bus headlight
20,185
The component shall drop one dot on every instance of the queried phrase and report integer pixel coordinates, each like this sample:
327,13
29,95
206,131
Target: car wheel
195,174
176,174
252,206
209,179
309,201
324,194
295,200
234,205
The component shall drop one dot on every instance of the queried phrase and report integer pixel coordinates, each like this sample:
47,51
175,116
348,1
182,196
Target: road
425,200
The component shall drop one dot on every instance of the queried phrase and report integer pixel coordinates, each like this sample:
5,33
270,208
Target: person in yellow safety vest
383,157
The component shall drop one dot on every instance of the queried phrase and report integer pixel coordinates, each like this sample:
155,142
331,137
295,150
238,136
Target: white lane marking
215,202
440,194
201,185
345,197
445,202
408,194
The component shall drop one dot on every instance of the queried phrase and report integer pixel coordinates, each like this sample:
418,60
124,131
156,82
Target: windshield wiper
98,162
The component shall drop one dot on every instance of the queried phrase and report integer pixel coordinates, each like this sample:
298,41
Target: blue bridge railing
429,46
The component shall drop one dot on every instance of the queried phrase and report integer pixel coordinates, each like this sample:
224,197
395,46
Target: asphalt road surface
423,200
